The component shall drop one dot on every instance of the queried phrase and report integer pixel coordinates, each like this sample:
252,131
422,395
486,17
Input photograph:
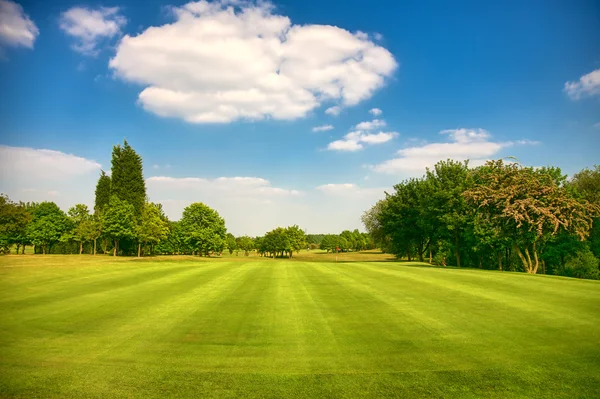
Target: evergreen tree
102,193
127,180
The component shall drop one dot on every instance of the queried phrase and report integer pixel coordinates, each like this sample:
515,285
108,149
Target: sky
287,112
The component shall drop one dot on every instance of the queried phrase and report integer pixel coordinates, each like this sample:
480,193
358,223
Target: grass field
83,326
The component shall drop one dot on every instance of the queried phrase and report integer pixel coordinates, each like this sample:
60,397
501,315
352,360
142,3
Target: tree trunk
80,247
456,251
43,250
94,246
18,246
499,260
23,250
430,257
115,248
522,257
537,261
139,249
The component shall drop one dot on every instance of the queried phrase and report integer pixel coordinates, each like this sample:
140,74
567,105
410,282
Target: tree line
500,215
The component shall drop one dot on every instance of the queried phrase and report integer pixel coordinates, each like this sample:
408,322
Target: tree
529,206
246,244
406,218
153,227
296,239
14,219
48,224
587,185
203,229
102,193
127,178
231,243
90,230
371,219
78,215
448,180
118,221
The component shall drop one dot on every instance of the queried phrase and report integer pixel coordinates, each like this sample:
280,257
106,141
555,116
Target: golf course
365,326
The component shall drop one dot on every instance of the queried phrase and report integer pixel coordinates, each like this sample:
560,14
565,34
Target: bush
582,265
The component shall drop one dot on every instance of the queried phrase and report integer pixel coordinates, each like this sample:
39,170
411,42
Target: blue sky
221,99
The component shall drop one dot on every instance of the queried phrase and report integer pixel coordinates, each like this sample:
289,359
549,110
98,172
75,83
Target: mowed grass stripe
500,330
567,298
98,315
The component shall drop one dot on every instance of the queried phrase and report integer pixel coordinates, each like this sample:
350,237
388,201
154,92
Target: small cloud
597,125
344,145
374,124
155,166
91,26
354,141
587,85
322,128
16,29
333,111
53,193
377,36
375,111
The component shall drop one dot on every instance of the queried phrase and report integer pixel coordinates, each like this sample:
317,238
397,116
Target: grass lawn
237,327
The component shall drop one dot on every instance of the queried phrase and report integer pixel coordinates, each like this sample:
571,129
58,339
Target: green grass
83,326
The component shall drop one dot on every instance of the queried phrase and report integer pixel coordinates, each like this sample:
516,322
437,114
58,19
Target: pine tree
127,177
102,193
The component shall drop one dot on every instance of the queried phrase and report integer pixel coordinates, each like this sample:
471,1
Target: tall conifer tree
102,193
127,177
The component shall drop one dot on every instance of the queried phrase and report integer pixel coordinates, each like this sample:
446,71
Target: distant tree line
499,215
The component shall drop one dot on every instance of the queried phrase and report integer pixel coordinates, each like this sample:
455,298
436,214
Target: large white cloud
227,60
465,144
28,174
16,28
91,26
587,85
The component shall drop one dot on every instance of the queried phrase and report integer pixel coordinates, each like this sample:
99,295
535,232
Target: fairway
83,326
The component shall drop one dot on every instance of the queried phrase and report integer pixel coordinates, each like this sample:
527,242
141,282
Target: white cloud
587,85
354,141
375,111
333,111
231,60
16,29
345,145
374,124
90,27
28,174
465,144
377,36
322,128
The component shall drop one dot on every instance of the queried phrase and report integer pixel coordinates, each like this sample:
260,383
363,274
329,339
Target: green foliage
127,178
118,221
231,243
102,193
203,229
153,226
246,244
582,265
48,225
529,206
14,219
